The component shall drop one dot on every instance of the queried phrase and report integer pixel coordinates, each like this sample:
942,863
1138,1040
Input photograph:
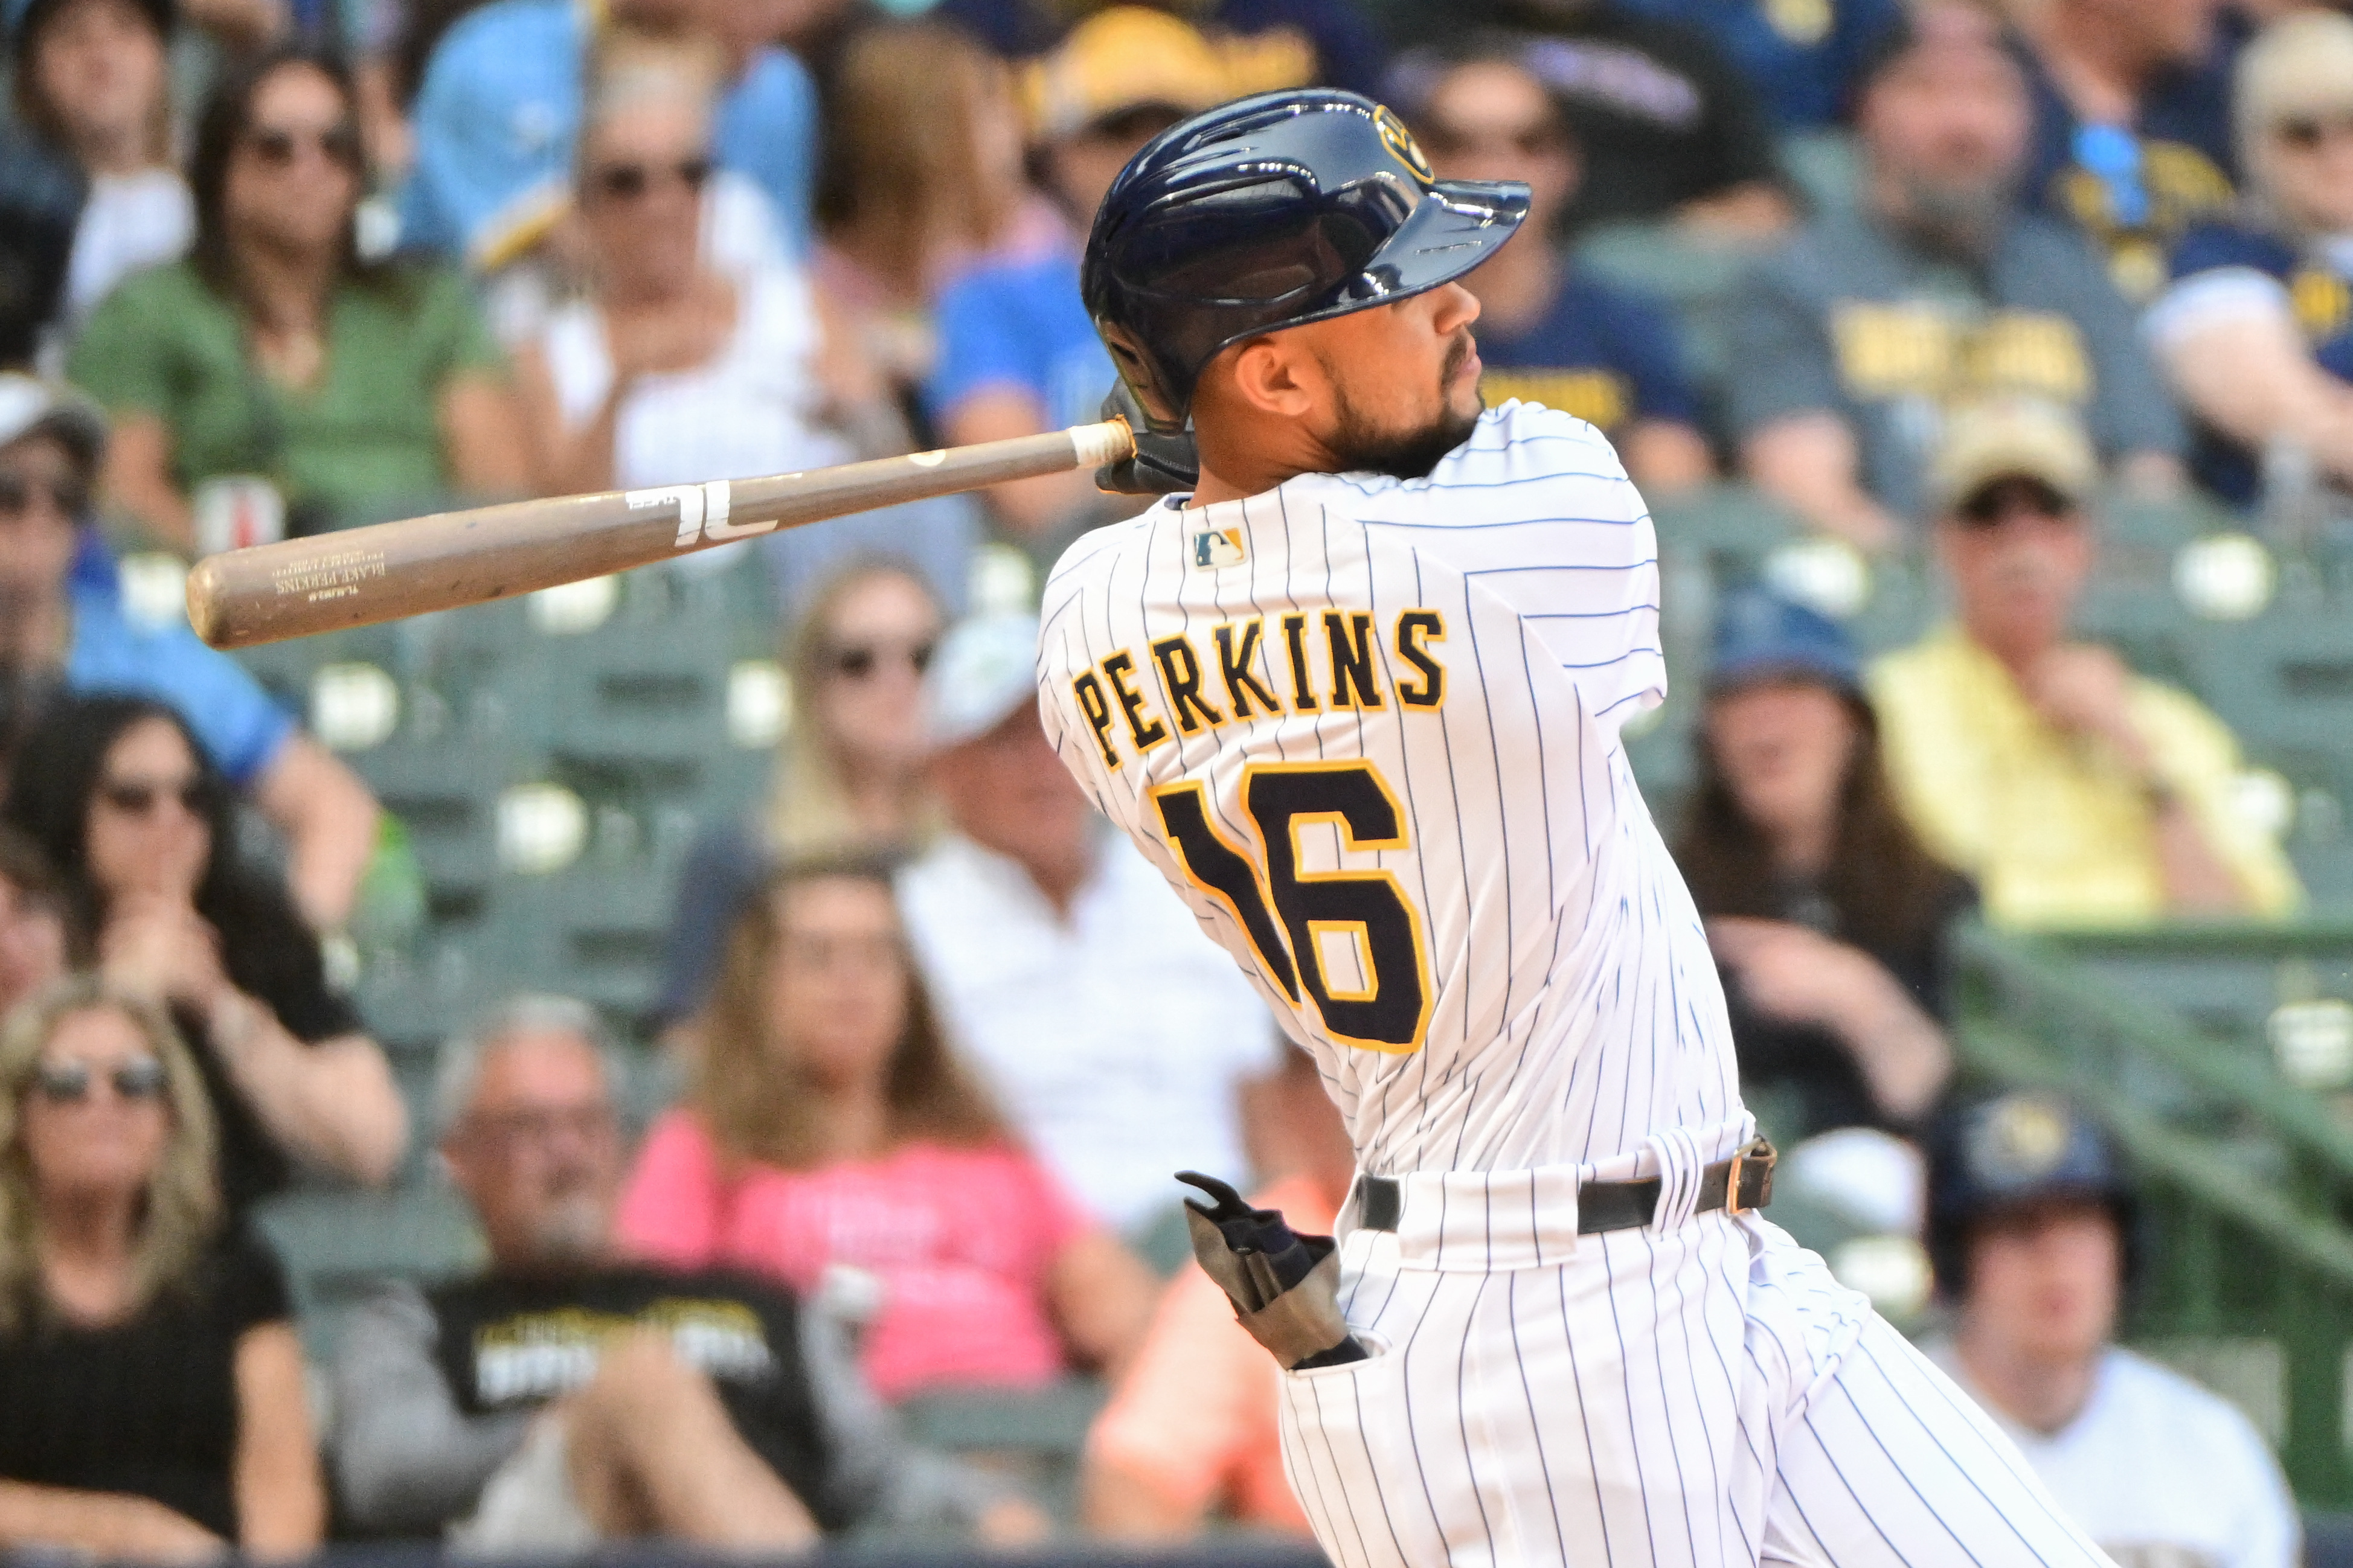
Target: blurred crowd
270,267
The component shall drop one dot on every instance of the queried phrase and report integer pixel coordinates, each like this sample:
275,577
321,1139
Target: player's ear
1274,376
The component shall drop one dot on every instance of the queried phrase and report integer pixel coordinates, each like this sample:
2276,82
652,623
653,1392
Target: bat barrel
361,577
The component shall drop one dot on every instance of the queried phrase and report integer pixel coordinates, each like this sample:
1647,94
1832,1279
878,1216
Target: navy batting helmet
2009,1150
1270,212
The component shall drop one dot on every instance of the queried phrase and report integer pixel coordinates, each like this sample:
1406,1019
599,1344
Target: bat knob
204,588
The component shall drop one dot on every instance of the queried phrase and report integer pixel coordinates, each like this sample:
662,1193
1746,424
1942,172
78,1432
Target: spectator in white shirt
2032,1226
1121,1040
92,79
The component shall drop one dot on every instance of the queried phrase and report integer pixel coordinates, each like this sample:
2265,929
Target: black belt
1744,1181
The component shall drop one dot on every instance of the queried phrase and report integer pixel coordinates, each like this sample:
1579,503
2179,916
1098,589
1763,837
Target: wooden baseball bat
268,593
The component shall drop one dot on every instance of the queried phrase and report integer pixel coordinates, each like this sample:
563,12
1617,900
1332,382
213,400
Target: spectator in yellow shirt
2074,791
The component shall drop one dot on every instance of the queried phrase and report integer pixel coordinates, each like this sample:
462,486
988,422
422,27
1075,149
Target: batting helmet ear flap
1165,411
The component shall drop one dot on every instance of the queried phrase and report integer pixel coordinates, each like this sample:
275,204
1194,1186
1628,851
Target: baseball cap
2011,438
1124,59
31,406
1760,636
984,669
1939,25
2008,1150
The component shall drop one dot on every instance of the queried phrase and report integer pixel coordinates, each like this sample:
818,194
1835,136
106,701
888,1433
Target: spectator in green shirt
273,350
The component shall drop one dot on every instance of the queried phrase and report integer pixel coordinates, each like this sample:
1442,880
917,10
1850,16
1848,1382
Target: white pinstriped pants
1698,1392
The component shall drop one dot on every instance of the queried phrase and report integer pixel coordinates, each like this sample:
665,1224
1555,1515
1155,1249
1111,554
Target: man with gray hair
569,1395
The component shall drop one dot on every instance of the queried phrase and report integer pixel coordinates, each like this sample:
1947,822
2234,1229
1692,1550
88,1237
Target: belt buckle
1756,1149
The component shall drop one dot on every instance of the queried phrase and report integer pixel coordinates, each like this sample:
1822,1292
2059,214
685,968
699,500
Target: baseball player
1358,695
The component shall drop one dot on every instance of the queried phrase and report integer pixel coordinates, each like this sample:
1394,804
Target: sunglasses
139,797
2306,132
859,661
139,1079
1996,503
278,147
70,496
630,182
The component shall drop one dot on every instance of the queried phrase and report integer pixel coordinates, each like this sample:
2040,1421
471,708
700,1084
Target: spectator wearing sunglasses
670,370
2072,791
497,118
153,1382
1938,288
1669,129
117,793
849,774
1548,336
2132,125
275,350
91,81
63,629
1120,1043
2257,328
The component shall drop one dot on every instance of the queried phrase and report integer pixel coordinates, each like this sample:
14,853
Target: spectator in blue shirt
498,114
2132,125
1545,335
2256,331
60,631
1017,353
1801,56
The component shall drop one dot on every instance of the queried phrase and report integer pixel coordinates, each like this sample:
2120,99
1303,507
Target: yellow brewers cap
2006,437
1122,59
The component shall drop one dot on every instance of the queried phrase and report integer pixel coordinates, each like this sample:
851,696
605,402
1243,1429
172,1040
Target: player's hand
1163,465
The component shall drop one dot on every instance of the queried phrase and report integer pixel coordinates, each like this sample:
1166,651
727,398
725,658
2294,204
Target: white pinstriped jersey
1369,730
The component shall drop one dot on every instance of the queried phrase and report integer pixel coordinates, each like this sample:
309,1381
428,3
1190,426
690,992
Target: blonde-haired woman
830,1129
849,776
924,177
2256,331
150,1376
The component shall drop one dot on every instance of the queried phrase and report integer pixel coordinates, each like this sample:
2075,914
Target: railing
2246,1176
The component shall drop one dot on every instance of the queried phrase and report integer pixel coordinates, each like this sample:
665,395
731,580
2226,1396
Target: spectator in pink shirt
832,1139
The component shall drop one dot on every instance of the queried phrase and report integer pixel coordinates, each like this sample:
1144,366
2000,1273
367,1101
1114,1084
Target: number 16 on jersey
1290,915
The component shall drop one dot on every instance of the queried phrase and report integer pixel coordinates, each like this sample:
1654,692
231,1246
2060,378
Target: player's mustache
1457,354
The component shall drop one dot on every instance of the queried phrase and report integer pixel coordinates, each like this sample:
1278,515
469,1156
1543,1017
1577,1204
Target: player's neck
1277,454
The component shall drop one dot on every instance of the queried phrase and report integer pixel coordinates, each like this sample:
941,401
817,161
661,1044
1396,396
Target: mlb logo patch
1216,547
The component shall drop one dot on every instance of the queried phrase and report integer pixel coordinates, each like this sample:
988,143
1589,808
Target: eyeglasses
2305,132
17,491
630,182
139,1079
140,797
277,146
1996,503
859,661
